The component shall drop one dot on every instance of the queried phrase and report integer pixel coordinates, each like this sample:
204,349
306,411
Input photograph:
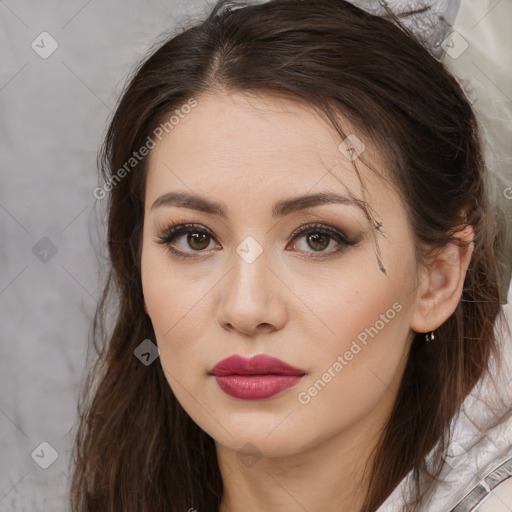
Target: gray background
53,114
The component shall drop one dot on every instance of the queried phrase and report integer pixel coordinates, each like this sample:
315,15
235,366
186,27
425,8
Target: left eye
317,240
317,237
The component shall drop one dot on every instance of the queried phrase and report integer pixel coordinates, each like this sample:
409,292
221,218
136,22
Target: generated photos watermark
143,151
305,397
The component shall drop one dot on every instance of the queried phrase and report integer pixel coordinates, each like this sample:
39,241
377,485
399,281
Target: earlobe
442,281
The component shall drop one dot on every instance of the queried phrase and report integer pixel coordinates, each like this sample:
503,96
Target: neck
330,475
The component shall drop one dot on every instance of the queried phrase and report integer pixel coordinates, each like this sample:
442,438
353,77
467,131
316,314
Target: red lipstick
257,378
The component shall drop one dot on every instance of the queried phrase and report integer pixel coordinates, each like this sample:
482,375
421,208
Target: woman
302,249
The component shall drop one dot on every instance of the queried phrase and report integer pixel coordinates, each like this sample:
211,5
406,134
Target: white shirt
478,468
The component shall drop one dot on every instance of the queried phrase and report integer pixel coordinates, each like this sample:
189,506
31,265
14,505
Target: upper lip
261,364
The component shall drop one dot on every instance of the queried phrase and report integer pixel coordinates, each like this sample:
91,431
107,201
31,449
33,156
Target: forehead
242,147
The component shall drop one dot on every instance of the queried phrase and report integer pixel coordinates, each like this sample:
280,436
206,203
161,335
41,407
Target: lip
257,378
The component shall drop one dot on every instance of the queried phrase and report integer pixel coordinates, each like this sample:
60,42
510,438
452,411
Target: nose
252,298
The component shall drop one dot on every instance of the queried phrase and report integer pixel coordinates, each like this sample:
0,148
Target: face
258,273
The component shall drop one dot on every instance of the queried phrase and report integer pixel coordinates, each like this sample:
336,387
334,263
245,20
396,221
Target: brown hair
136,448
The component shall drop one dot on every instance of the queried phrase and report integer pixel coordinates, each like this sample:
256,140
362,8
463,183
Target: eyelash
174,231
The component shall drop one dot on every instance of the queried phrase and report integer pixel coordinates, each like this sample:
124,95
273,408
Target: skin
292,302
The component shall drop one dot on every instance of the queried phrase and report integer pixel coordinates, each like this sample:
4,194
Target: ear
441,281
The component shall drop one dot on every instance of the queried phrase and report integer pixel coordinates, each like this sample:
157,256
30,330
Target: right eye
198,239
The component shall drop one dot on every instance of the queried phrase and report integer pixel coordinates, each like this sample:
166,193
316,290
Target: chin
261,446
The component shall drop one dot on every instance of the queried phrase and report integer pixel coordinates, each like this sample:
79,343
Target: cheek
178,319
362,343
358,302
178,314
176,302
357,371
367,330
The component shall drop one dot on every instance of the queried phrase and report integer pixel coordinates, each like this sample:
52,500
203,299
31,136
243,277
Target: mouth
257,378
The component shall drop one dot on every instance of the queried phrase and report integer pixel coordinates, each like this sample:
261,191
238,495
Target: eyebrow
280,209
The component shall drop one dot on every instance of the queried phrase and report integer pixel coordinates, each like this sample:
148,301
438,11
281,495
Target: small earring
430,336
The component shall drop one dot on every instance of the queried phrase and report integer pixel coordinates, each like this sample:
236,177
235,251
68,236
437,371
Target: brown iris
199,239
318,241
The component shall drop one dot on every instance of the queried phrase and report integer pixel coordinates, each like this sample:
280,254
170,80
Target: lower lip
256,387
